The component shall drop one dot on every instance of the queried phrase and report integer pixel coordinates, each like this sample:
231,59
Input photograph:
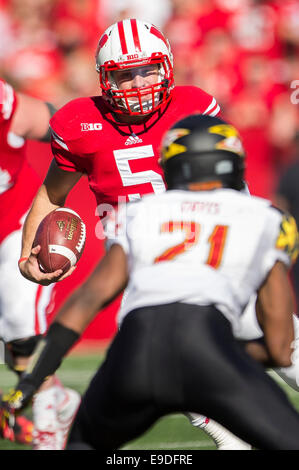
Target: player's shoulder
276,224
288,236
196,99
76,116
131,209
151,204
272,215
266,205
188,90
249,202
286,219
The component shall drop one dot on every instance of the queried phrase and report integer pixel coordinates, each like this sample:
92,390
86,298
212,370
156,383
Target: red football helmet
132,44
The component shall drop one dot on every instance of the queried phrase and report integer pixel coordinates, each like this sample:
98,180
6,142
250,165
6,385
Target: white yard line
171,445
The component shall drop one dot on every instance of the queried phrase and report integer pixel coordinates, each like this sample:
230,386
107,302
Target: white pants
23,304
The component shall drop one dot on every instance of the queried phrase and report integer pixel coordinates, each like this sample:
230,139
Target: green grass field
170,433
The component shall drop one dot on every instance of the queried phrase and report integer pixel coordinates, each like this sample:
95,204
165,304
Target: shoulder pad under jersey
196,98
71,123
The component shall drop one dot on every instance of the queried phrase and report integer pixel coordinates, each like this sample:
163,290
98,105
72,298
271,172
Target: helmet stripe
135,35
158,34
211,106
215,112
122,37
103,40
213,109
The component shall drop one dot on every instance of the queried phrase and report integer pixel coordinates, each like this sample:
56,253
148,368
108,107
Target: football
61,235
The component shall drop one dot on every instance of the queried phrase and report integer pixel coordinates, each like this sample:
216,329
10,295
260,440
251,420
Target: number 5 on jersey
192,230
122,159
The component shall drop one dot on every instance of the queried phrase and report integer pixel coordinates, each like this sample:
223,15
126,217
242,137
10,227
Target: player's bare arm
31,119
274,311
51,195
108,280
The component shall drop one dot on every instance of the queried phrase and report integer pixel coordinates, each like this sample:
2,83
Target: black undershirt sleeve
48,354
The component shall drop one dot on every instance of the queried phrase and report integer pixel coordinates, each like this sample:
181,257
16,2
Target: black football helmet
202,148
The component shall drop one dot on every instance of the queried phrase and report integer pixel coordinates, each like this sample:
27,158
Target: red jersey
120,160
18,181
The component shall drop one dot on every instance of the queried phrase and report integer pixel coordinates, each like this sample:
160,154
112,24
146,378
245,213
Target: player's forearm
259,352
79,310
31,119
106,282
40,208
280,347
67,328
275,314
48,355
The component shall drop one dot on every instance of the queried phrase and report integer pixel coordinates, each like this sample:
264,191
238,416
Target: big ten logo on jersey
91,126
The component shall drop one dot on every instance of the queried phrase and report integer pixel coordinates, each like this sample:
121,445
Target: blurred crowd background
244,52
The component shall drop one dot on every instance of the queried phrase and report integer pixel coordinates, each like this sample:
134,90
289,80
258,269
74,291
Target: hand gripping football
61,235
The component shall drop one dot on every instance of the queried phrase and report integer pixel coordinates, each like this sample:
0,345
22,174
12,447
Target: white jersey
213,247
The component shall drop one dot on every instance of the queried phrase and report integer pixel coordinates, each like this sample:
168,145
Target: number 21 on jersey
192,231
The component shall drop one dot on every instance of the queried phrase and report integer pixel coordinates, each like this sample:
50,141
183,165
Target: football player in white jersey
191,259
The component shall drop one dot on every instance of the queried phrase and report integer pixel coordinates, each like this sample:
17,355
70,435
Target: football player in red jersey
23,304
115,138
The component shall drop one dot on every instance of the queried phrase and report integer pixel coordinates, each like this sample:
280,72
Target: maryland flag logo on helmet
231,141
171,148
288,238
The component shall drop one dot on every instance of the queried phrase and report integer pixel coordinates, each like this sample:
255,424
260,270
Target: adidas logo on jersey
133,139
